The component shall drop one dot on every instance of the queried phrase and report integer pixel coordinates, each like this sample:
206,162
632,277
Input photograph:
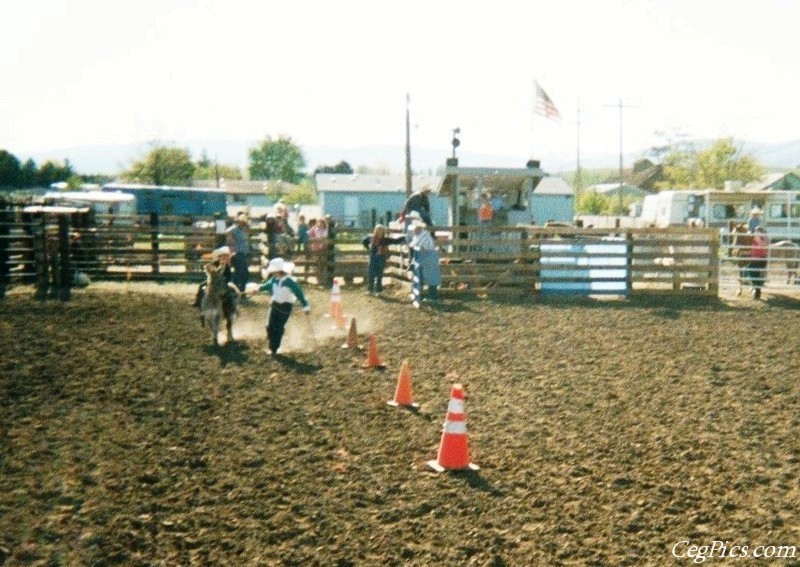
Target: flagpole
533,121
408,145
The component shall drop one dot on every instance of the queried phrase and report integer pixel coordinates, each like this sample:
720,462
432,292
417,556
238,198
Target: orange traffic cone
454,446
402,395
373,360
335,301
341,321
352,336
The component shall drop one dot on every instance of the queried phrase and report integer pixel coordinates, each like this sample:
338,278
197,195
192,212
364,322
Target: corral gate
783,258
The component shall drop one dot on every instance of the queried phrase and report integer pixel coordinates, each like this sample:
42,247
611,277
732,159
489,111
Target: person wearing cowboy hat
284,291
419,203
754,220
218,257
239,242
424,265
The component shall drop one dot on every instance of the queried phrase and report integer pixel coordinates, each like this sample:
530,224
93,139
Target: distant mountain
111,159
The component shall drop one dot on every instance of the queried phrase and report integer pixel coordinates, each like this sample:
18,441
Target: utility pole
578,172
408,146
620,106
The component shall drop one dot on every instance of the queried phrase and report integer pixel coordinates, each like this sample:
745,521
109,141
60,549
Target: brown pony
220,300
787,252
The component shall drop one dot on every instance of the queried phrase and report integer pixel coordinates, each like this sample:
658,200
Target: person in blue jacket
284,291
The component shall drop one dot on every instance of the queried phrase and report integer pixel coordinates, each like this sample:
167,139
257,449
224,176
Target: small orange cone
341,321
402,395
373,360
352,336
454,446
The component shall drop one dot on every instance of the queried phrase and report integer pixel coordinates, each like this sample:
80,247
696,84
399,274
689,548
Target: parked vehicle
712,208
173,201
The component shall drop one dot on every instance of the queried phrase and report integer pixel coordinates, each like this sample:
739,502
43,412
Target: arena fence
574,261
56,251
780,274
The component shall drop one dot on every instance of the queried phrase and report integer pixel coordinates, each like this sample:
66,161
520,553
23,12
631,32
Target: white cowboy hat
279,265
414,215
221,251
755,211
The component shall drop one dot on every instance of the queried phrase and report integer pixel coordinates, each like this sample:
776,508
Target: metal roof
497,180
553,185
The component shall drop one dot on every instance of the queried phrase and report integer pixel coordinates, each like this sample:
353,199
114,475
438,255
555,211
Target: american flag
544,106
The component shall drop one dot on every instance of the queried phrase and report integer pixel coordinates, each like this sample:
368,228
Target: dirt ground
606,432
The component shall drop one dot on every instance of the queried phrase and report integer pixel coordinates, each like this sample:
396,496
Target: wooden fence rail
48,249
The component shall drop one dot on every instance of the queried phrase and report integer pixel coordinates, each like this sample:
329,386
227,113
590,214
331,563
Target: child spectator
378,245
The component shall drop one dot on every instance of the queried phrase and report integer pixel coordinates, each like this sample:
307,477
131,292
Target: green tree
686,168
213,171
279,159
723,162
341,167
28,175
162,166
304,193
10,170
52,172
593,203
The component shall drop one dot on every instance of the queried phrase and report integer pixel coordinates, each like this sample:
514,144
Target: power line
620,106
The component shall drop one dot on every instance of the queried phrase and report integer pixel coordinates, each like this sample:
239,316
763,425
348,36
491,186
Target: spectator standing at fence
331,252
378,245
426,270
485,211
759,251
302,233
754,221
239,243
419,202
284,291
317,245
279,232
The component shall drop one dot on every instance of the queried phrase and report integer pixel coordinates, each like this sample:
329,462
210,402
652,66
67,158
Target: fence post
714,272
628,264
40,260
5,232
154,246
65,270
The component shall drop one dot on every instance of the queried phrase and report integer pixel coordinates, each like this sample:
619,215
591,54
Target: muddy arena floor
607,432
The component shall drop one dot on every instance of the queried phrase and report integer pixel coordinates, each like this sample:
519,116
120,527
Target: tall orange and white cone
335,305
373,360
402,394
454,446
335,301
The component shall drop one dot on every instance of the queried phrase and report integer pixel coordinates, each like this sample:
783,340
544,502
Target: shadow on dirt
298,366
232,353
783,302
474,480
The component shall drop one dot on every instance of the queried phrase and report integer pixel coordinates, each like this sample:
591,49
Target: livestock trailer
173,201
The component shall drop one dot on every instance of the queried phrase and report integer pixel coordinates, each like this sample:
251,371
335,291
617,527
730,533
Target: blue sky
86,72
